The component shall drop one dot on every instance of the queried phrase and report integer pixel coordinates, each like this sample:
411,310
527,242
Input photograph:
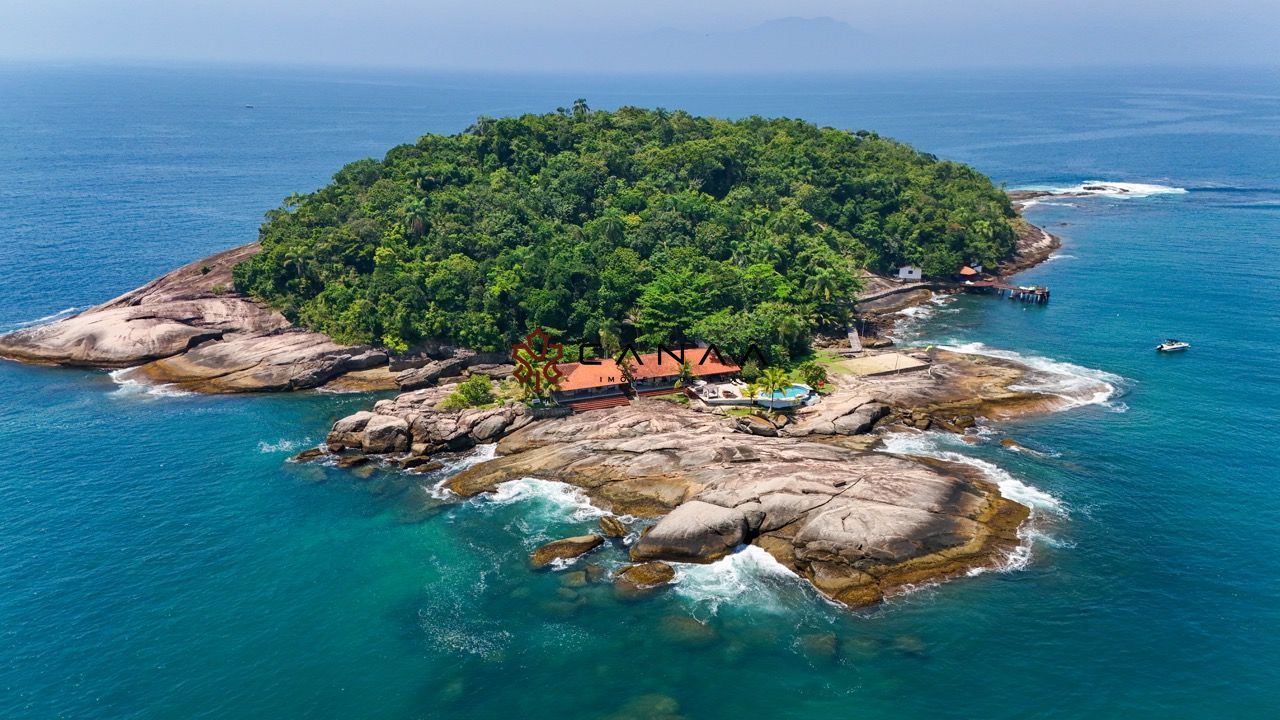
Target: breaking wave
281,445
440,490
1075,384
932,444
553,500
1105,188
1041,503
749,573
66,312
128,387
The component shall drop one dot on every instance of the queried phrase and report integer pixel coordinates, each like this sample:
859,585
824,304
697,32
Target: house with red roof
591,386
657,373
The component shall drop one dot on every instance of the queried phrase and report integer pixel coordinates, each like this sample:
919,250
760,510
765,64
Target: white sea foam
1041,503
931,444
1059,256
481,453
1075,384
281,445
749,574
42,320
1118,189
916,311
128,387
556,500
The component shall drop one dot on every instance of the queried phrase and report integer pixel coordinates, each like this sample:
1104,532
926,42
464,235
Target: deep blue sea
160,559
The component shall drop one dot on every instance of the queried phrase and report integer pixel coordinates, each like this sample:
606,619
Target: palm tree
773,381
821,283
613,228
415,215
686,375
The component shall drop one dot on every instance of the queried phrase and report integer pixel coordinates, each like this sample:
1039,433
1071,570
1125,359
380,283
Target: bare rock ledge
857,525
188,328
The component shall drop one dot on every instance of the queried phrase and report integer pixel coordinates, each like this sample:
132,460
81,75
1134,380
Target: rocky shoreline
858,525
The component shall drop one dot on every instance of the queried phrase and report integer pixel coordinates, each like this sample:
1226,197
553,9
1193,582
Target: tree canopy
632,225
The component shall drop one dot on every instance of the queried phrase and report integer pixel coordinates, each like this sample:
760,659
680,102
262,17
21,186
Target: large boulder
349,431
645,575
756,425
696,531
565,549
635,580
490,427
612,527
861,420
384,434
428,374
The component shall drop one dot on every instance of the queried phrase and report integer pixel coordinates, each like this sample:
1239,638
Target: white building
910,272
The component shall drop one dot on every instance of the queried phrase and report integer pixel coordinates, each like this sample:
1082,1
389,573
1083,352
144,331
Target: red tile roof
578,376
966,270
652,367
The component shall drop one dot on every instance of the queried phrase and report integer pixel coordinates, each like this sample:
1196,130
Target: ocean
160,558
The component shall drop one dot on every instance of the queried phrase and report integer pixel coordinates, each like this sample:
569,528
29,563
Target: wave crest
555,500
750,572
1077,385
1105,188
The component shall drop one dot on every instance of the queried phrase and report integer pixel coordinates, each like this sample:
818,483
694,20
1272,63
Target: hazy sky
608,35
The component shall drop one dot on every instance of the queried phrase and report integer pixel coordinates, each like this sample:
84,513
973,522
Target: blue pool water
795,391
159,558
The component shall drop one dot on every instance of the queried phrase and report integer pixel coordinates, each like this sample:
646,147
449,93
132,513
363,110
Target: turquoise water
160,559
790,393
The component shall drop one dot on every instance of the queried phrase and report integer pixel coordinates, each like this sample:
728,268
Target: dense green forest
634,225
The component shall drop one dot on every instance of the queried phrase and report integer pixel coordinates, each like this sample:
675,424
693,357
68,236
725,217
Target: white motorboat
1172,345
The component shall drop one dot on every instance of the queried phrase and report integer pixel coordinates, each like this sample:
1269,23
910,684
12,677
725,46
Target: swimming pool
794,392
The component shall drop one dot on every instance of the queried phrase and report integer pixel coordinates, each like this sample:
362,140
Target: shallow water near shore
159,557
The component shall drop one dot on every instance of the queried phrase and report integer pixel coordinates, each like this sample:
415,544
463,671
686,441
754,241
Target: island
612,231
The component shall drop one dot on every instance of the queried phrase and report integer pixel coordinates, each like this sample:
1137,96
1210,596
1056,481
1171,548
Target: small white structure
910,272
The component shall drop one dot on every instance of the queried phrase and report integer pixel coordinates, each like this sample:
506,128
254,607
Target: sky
654,35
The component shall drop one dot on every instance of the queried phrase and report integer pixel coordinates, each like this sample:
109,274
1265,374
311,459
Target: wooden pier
1024,293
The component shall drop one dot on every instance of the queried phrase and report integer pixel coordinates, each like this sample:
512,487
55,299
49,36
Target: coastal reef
858,525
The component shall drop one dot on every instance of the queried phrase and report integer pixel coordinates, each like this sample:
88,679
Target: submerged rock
635,580
688,631
308,454
612,527
819,646
350,461
565,549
